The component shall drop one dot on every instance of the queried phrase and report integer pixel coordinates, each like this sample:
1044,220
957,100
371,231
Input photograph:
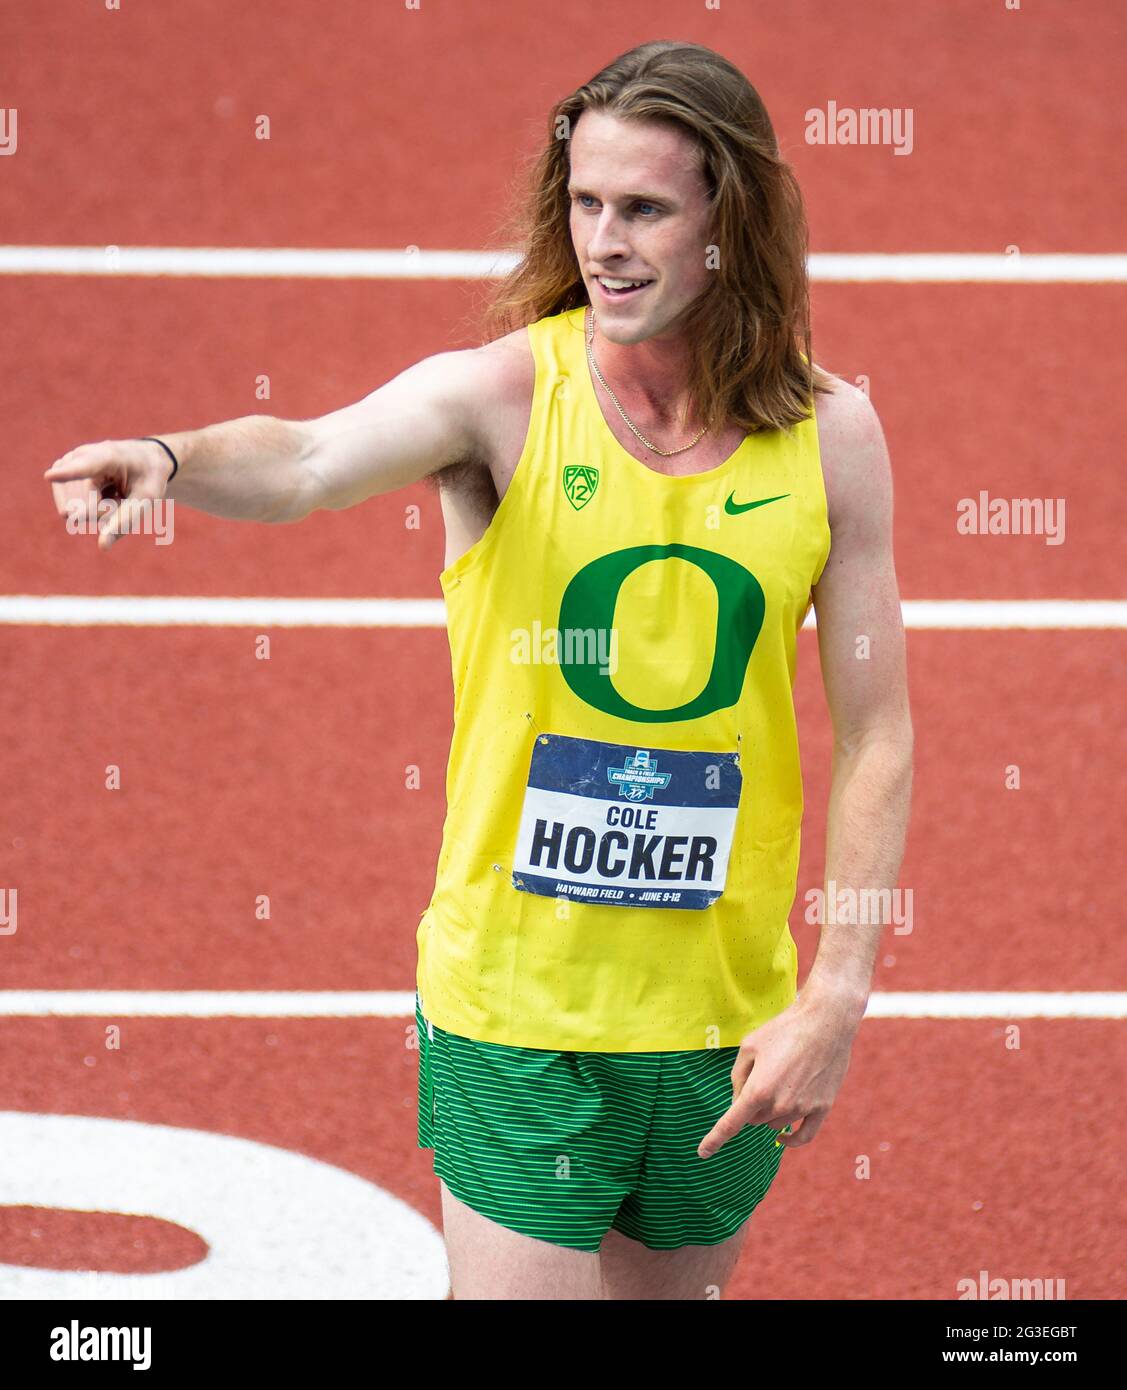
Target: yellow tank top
624,796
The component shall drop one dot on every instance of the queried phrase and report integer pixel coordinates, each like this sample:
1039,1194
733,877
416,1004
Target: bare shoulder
498,386
510,354
855,462
510,376
501,381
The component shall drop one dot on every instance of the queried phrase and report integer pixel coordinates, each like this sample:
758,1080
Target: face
639,211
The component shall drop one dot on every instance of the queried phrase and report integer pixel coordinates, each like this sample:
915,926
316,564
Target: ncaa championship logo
638,777
579,483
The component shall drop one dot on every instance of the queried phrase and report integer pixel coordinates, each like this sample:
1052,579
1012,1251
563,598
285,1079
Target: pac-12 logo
638,778
579,483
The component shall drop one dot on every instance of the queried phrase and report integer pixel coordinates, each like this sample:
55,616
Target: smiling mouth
615,287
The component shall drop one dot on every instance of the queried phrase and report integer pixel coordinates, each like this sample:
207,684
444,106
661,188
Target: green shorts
564,1146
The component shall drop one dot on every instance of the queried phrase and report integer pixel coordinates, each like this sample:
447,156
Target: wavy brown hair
750,354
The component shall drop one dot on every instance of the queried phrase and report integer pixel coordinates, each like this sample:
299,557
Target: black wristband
151,439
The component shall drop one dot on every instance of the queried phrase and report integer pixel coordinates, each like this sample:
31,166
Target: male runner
639,502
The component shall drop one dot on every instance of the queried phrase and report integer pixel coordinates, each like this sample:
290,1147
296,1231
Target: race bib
626,826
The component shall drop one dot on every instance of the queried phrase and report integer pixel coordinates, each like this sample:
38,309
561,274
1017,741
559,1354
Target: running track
398,129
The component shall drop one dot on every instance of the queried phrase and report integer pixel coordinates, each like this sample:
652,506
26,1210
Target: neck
649,378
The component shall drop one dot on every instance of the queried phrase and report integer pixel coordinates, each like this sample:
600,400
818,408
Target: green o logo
589,602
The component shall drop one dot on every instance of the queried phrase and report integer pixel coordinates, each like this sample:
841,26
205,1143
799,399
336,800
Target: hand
789,1071
122,473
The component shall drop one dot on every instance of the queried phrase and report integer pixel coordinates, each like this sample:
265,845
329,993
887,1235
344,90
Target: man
639,503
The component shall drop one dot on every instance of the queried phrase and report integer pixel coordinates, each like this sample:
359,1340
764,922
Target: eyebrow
626,197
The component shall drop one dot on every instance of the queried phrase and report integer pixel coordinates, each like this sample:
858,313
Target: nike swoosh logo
734,508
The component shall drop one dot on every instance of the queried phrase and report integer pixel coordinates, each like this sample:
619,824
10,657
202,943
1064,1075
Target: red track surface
286,777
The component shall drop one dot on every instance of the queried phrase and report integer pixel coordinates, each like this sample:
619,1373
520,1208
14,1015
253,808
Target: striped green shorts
564,1146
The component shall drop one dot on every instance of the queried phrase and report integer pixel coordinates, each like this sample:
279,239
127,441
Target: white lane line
255,262
146,611
129,1003
63,1003
79,610
1014,613
903,267
413,263
1002,1004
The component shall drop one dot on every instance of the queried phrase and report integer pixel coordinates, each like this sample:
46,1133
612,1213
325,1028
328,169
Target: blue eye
587,200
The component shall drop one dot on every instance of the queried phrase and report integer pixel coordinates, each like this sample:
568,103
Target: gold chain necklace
665,453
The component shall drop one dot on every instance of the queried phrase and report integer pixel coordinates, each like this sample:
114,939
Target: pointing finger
83,462
109,528
77,501
726,1127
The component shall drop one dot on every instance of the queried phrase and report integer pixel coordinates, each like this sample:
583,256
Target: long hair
751,363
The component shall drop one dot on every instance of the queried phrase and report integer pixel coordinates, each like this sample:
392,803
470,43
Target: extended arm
260,468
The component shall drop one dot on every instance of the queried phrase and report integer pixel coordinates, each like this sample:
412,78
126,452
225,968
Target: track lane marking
413,263
80,610
63,1003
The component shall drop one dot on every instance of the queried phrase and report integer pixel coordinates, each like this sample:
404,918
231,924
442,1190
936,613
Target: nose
608,240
